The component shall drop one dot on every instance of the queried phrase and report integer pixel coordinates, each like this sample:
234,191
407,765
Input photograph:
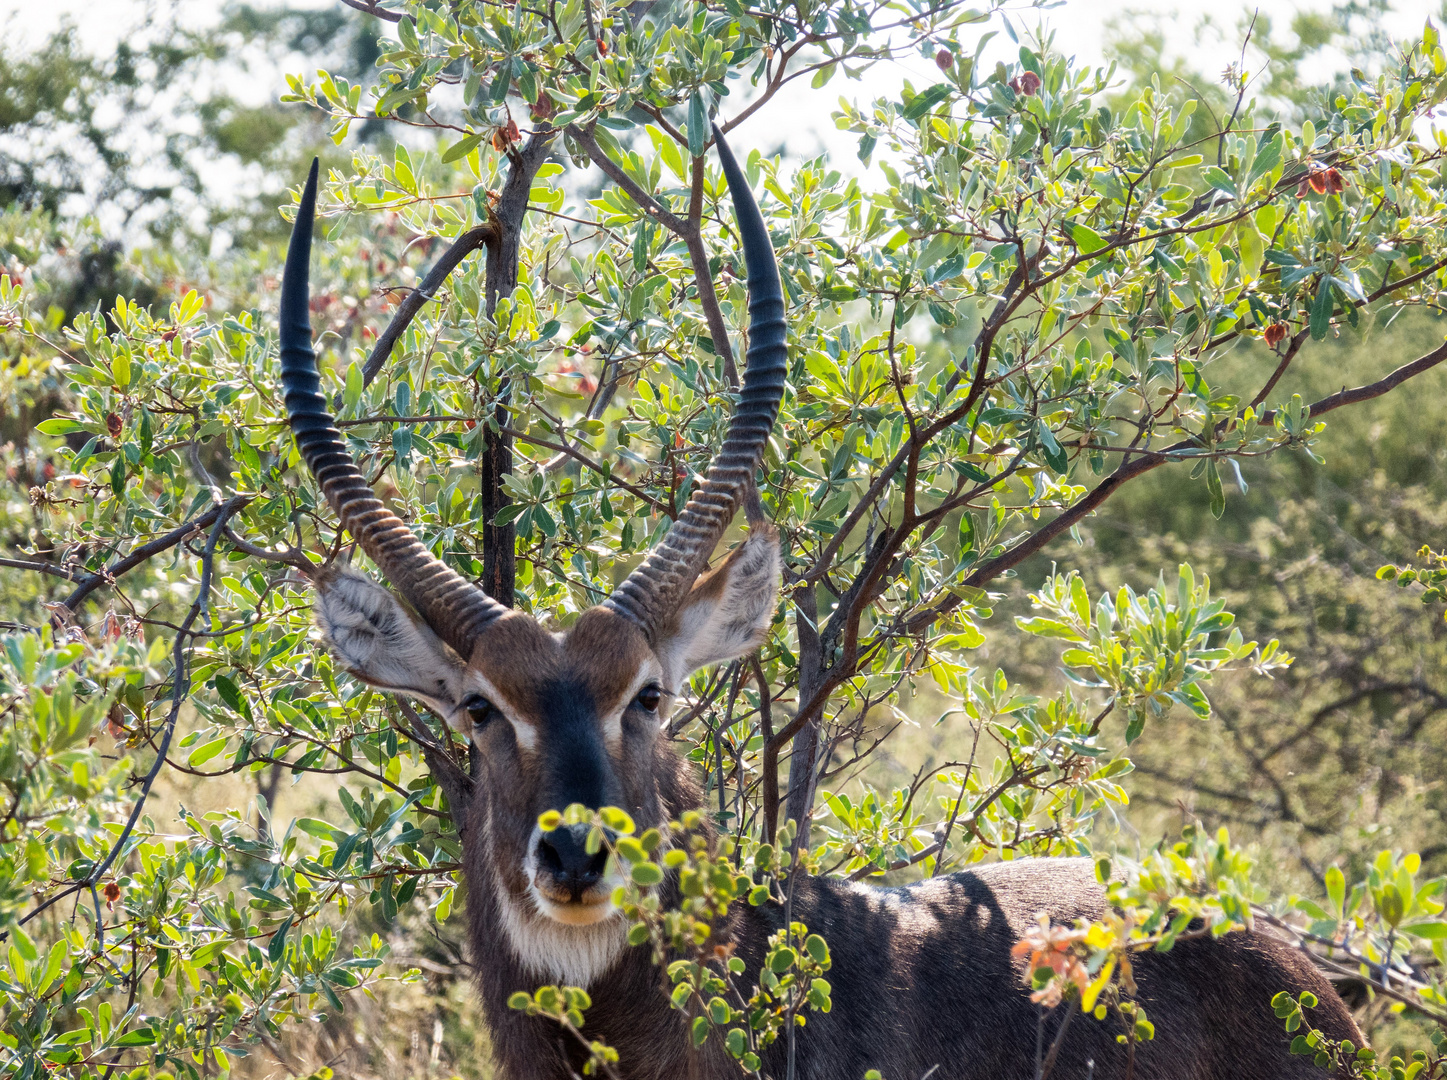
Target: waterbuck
924,982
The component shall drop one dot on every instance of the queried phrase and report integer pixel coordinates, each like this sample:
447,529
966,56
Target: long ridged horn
654,590
455,609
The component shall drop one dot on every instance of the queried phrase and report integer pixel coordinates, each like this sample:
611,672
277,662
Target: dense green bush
1043,290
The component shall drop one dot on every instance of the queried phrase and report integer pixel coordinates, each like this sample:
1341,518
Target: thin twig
1048,1066
521,436
292,557
39,568
703,280
369,7
450,776
1292,348
651,206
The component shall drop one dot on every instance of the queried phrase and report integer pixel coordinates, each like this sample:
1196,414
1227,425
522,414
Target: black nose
563,857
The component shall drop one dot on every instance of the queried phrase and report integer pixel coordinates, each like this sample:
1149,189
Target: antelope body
923,978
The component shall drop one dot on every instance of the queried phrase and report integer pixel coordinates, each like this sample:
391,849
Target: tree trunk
804,750
499,542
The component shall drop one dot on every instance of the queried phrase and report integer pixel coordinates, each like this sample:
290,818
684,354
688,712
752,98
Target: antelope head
557,716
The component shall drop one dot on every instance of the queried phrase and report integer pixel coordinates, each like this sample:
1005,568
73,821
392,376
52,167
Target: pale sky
1079,20
1080,27
1080,23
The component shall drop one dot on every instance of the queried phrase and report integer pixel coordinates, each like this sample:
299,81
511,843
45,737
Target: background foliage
1054,332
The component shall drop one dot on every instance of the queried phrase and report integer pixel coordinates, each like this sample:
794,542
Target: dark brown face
561,719
558,719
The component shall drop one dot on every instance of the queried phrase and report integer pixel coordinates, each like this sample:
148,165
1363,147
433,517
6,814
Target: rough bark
499,542
804,750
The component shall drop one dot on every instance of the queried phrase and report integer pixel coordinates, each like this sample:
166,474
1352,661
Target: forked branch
689,230
1131,469
152,548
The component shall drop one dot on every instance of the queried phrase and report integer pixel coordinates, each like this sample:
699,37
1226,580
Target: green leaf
230,693
59,425
189,307
1086,239
1321,310
1080,600
617,820
646,873
353,392
1050,628
1134,728
344,852
1433,931
206,752
1217,492
1251,249
461,148
1348,282
1267,158
407,34
402,171
1219,180
277,948
147,433
968,637
53,964
1336,887
1054,455
697,125
322,830
926,100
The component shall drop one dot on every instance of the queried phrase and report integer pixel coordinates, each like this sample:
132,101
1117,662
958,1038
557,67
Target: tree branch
1132,469
39,567
155,547
1358,394
369,7
499,542
703,279
689,230
407,310
651,206
1297,341
812,653
293,557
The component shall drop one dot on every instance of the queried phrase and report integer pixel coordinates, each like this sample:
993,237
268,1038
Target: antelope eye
648,698
479,708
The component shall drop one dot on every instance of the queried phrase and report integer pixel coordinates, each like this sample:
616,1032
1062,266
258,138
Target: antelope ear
728,611
383,643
